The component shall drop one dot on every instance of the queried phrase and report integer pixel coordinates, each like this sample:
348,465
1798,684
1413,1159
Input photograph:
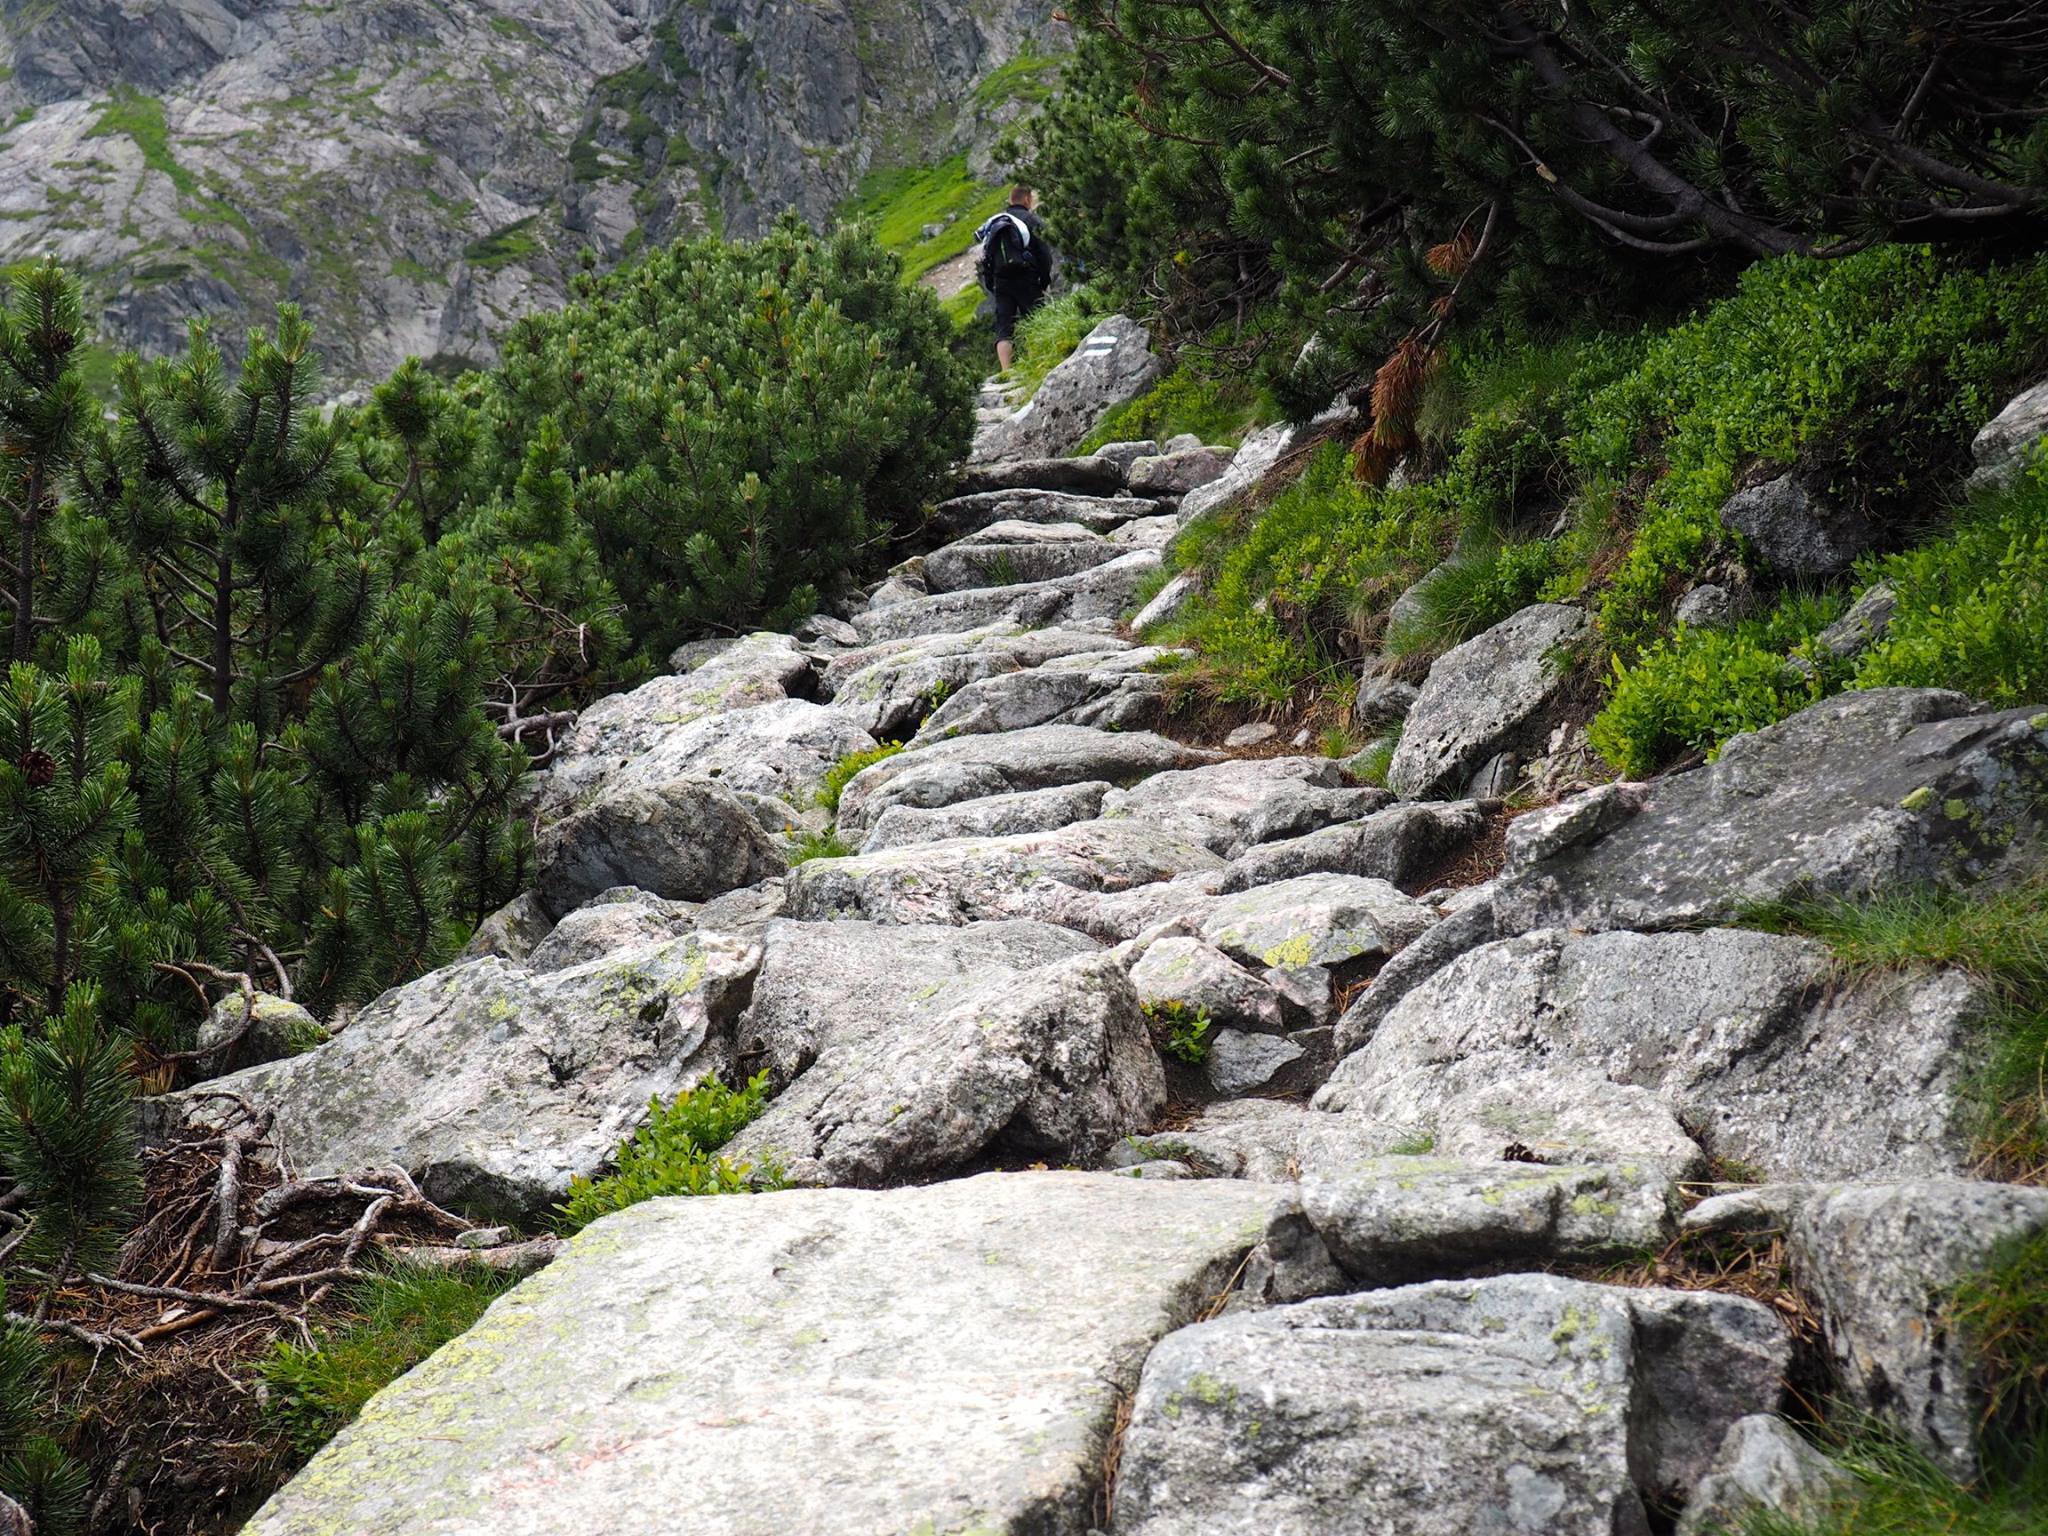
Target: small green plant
1372,765
1415,1144
675,1153
805,846
1182,1032
999,571
1972,609
841,773
400,1317
1475,591
2004,1313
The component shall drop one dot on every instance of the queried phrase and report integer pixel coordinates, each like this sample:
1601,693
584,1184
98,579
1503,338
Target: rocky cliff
418,173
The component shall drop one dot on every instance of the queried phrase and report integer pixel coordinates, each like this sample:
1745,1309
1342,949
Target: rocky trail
1408,1250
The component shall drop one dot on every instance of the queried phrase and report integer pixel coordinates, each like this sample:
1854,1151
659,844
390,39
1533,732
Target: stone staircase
1335,1271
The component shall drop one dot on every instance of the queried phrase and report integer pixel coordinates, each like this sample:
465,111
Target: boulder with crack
969,767
1204,980
1752,1039
685,840
1031,810
888,688
1392,1220
1009,553
1230,806
1525,1403
1054,1062
1325,928
1103,591
727,676
619,919
1102,688
814,1360
1490,695
1882,1261
965,515
1039,875
494,1086
1397,844
781,750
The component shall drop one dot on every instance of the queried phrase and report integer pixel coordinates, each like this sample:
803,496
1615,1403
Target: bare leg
1004,353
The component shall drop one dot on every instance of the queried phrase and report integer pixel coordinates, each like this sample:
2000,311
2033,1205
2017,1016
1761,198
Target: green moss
842,772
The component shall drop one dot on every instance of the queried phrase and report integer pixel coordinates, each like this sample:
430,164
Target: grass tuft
842,772
401,1317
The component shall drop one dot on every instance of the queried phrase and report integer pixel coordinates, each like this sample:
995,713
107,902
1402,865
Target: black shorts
1012,305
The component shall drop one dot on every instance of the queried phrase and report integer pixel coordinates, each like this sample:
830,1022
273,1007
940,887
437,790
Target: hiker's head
1022,196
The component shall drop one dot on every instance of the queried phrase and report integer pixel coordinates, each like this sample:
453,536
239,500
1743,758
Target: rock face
1232,806
494,1086
1882,1261
1484,697
918,1353
181,155
1114,363
1748,1037
1521,1404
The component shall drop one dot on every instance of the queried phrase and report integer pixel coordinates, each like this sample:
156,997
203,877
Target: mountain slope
418,173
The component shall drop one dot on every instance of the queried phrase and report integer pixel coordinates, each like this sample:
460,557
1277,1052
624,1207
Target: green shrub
1973,605
1217,410
1870,372
1180,1031
1692,690
746,423
841,773
675,1153
401,1317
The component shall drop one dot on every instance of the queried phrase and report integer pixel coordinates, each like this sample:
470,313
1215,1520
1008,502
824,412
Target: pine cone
40,767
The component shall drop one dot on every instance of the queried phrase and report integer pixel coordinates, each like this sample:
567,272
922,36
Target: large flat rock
809,1363
1859,794
1750,1038
1104,591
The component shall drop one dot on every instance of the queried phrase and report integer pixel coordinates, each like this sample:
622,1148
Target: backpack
1006,250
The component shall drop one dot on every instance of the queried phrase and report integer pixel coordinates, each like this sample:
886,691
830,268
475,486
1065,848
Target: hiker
1016,266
